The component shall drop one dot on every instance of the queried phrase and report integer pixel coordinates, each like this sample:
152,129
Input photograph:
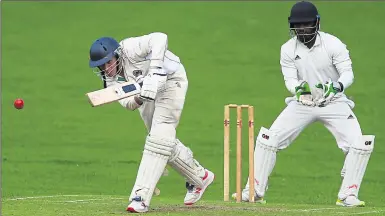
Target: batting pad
155,156
183,162
264,159
159,145
356,162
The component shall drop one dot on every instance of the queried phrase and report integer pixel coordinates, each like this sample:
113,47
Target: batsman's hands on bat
303,94
329,89
155,79
139,79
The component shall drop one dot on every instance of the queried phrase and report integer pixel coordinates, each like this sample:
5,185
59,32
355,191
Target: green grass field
60,156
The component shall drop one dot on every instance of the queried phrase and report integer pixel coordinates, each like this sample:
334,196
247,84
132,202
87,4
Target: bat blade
113,93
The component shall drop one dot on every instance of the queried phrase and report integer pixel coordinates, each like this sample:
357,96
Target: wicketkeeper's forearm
346,79
291,83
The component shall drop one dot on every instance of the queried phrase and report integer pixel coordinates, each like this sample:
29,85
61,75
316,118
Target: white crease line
41,197
86,200
308,210
368,212
360,213
53,196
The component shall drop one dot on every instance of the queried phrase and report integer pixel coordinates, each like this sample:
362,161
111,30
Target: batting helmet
102,51
304,12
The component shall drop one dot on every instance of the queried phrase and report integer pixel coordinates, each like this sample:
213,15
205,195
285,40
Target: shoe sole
345,205
234,197
202,192
132,210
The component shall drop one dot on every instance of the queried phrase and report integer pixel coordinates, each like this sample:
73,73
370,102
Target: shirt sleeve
129,103
343,63
289,71
153,45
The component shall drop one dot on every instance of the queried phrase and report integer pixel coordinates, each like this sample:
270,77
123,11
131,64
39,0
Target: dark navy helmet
303,12
102,51
304,21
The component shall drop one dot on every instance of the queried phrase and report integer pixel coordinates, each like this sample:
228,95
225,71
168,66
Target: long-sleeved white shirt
139,54
147,51
328,58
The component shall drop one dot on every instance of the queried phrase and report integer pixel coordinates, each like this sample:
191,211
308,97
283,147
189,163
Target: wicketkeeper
317,69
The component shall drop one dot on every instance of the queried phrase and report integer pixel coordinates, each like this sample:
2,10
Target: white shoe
350,201
245,198
137,206
195,193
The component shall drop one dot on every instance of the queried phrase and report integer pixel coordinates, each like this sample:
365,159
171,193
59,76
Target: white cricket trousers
337,117
162,116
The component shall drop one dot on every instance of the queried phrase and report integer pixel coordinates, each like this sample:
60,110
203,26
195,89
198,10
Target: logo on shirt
351,116
297,57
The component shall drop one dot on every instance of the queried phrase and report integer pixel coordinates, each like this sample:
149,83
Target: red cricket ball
19,103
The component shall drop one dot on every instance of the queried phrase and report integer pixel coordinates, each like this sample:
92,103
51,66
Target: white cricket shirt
141,53
148,51
328,58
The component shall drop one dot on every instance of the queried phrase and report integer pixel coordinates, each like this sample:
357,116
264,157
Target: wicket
226,186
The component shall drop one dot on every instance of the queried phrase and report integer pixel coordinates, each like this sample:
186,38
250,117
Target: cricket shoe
245,198
137,205
194,194
350,201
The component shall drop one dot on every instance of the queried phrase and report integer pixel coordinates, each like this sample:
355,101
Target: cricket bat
113,93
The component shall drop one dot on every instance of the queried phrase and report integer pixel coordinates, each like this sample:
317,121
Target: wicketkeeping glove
303,94
330,89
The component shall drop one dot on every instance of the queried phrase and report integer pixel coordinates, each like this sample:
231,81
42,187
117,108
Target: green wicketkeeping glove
330,89
303,94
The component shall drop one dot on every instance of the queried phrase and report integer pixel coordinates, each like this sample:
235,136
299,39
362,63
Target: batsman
317,70
162,77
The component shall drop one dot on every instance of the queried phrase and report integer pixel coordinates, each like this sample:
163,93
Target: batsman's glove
155,79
